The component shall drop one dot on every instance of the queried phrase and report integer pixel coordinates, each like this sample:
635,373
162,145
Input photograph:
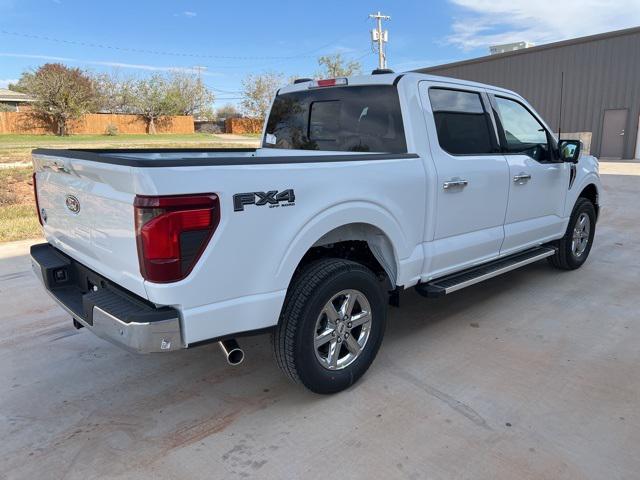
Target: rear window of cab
344,119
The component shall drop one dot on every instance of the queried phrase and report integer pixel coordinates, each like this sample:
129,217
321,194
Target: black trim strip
105,156
398,78
160,150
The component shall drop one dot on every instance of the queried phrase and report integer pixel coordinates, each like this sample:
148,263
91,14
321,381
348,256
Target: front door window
523,133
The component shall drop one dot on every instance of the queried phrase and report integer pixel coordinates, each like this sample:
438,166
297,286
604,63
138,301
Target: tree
19,86
190,96
114,94
61,93
151,99
335,66
258,92
155,97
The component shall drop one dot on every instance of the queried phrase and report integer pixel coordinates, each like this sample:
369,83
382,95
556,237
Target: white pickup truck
363,187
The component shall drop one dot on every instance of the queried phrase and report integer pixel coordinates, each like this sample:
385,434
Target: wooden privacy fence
243,125
92,124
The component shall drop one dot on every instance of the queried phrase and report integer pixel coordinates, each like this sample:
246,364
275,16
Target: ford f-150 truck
362,187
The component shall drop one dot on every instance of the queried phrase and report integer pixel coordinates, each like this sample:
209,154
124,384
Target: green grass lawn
18,218
18,222
15,184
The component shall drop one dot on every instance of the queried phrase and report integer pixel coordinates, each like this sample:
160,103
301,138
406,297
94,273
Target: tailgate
87,211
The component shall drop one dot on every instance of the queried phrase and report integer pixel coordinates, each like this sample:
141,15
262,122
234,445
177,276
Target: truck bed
103,184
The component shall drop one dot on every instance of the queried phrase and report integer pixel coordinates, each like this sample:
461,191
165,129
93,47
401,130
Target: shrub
208,127
112,130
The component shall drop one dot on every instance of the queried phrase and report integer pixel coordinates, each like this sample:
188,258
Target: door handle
622,133
521,178
455,182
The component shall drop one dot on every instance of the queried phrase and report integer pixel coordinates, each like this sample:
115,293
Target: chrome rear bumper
107,310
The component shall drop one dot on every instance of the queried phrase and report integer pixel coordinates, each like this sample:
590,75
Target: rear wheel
331,325
574,247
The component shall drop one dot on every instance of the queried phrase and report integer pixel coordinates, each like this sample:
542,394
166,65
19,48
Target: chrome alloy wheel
581,232
342,329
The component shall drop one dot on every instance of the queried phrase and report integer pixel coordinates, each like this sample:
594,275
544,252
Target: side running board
456,281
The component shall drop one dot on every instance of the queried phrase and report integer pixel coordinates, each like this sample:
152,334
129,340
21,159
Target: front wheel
574,247
331,325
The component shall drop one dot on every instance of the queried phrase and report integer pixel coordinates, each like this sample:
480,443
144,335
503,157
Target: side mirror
569,150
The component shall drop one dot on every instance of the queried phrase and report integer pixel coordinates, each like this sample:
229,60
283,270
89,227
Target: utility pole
380,37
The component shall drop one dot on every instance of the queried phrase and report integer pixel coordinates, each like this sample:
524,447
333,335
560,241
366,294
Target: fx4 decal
273,198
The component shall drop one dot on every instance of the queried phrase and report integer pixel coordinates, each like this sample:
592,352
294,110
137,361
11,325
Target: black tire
309,293
565,258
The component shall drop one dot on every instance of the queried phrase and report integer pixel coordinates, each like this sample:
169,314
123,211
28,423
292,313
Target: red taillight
35,195
172,232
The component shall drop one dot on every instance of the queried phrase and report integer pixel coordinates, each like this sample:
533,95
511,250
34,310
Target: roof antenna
560,114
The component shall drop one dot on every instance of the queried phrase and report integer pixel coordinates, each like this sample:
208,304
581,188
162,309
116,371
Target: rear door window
462,123
344,119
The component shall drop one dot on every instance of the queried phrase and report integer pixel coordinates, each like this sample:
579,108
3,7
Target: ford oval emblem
73,204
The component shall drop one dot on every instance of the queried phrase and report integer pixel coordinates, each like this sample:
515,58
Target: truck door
472,178
538,179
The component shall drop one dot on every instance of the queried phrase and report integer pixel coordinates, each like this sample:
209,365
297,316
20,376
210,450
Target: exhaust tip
232,351
235,356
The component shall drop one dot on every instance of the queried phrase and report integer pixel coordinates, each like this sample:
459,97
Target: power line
224,91
270,65
163,52
198,68
362,56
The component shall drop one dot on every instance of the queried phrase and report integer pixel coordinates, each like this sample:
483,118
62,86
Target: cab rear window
343,119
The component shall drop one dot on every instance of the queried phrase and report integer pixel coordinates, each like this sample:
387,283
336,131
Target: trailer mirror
569,150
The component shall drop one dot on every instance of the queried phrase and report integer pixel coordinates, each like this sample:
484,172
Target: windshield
343,119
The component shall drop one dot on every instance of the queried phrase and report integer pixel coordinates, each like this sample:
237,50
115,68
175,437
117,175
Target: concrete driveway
535,374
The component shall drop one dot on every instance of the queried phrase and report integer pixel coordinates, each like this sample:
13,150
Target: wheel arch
375,227
587,185
590,192
374,248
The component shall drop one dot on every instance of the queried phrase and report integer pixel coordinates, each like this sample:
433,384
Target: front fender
586,174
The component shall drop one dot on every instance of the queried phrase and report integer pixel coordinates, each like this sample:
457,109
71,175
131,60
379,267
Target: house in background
14,101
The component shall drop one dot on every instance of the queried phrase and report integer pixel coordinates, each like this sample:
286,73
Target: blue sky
233,38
